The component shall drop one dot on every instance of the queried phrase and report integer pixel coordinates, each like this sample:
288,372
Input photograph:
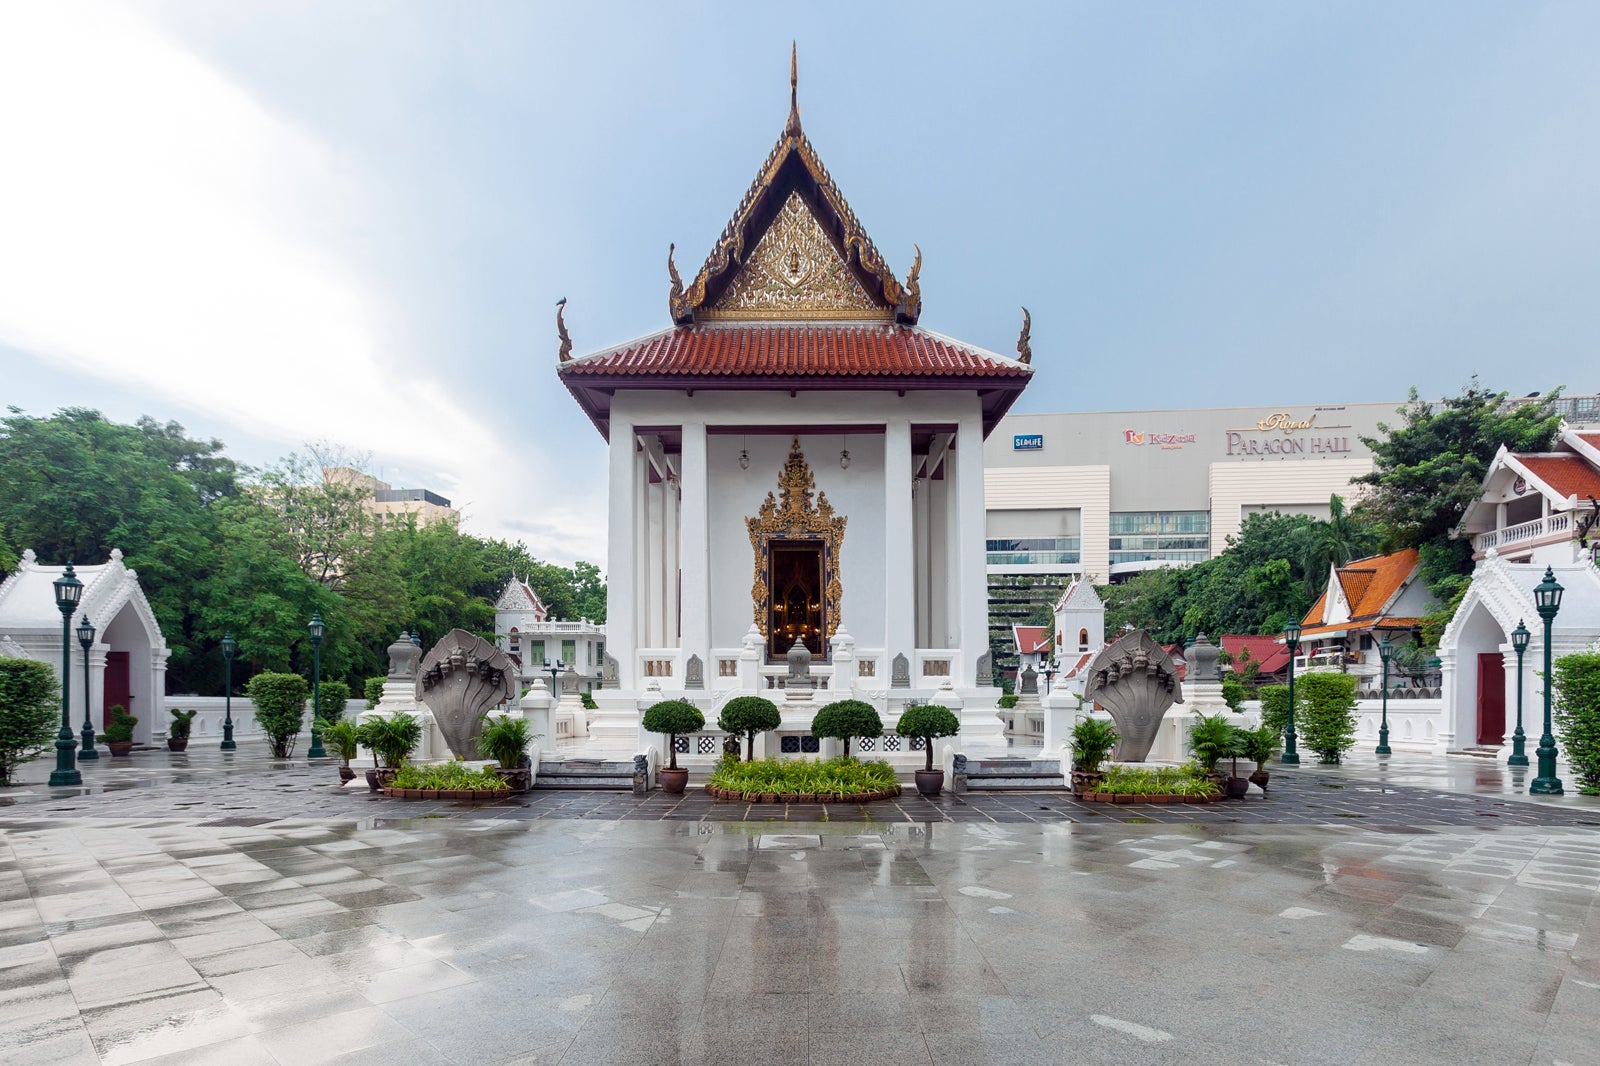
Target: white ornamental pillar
621,616
693,545
899,582
966,551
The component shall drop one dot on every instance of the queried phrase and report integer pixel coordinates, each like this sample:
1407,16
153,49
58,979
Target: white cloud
159,228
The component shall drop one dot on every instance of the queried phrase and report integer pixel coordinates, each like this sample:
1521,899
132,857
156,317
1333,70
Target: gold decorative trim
810,315
791,515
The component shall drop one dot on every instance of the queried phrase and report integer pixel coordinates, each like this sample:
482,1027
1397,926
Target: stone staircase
1014,775
1479,751
586,774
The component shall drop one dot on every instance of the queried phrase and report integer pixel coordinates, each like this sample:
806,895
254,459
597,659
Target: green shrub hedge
1577,716
803,776
280,701
449,775
1327,722
30,712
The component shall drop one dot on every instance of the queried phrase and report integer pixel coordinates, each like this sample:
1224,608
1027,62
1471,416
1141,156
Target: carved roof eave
739,237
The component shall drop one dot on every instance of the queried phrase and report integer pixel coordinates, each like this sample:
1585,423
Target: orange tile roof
785,351
1567,475
1265,650
1591,439
1377,579
1031,639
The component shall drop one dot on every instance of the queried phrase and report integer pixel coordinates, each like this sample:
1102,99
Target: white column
669,562
971,599
899,589
921,491
622,575
693,544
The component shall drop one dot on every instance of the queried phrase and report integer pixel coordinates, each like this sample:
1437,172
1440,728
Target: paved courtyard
204,909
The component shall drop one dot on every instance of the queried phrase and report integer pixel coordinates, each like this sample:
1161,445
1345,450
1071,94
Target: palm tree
1334,542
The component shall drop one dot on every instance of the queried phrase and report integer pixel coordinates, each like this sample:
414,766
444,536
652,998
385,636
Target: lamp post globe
1547,599
229,648
1519,642
85,640
1291,640
1386,653
316,629
69,590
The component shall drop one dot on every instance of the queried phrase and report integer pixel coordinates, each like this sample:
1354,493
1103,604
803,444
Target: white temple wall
126,633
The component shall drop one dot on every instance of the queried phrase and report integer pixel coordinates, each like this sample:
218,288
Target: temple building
795,462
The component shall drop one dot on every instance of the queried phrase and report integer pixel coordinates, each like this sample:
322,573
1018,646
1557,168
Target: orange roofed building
1366,602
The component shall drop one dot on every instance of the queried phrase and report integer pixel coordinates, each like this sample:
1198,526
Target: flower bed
1164,784
802,781
449,780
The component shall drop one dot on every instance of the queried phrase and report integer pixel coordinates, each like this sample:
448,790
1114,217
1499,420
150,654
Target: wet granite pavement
226,911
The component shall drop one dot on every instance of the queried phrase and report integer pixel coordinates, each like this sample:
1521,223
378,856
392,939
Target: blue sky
277,222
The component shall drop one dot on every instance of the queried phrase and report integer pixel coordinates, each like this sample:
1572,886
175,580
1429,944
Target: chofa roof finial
1025,349
565,354
792,129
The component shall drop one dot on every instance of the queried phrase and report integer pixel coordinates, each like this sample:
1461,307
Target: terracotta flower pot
177,743
929,782
673,781
1236,787
1259,777
346,775
120,747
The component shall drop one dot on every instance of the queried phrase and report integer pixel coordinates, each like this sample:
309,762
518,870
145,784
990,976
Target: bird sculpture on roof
565,354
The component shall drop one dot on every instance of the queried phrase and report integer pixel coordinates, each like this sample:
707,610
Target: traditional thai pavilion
794,460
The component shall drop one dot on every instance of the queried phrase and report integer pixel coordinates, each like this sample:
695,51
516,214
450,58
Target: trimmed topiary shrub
746,716
672,717
331,699
1576,711
1234,693
1326,723
1275,705
280,701
843,719
30,712
119,729
1008,701
928,722
372,689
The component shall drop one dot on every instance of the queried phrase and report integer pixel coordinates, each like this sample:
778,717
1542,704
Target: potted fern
119,731
1212,740
929,723
505,739
341,736
391,741
178,731
1092,741
672,718
1260,744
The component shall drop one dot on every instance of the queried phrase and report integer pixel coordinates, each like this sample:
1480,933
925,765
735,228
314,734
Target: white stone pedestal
399,697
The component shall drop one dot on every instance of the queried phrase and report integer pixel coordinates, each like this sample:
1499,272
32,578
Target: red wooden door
1491,699
118,688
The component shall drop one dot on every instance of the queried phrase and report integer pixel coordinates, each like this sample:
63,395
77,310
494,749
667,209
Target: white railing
1549,525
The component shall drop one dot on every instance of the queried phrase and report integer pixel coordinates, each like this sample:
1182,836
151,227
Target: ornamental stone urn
460,679
1135,680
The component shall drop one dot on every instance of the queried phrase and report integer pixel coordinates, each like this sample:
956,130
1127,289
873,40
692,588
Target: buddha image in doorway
796,542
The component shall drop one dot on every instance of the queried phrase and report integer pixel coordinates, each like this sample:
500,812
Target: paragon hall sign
1283,434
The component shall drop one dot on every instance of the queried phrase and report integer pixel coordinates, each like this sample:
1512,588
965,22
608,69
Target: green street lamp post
68,591
86,638
229,647
1291,640
1547,598
317,628
1385,652
554,670
1519,641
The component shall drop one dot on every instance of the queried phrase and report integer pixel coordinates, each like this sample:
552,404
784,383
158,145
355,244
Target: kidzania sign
1283,434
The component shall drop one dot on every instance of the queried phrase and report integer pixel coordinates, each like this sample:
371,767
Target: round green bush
280,701
331,699
1577,716
1327,721
372,689
30,712
928,722
844,719
672,717
746,716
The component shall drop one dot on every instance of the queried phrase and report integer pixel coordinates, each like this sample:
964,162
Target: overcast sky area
276,222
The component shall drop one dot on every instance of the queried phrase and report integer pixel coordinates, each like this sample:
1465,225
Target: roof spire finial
792,129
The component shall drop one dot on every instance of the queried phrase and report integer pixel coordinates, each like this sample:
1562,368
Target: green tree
746,716
1326,544
843,719
280,701
1577,715
1430,466
30,711
1327,723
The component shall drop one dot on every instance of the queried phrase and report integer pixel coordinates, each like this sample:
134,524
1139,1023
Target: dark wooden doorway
1491,699
119,688
796,597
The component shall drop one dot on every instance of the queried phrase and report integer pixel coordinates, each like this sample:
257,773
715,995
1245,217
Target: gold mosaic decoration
791,515
795,271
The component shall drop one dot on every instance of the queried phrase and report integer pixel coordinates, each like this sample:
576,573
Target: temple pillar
966,551
694,609
621,556
899,579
